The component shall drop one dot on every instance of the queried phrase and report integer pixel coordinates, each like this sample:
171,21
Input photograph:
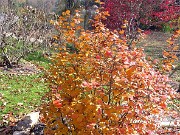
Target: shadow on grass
39,59
37,56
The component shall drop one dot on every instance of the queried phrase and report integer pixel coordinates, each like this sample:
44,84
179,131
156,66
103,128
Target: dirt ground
154,44
24,68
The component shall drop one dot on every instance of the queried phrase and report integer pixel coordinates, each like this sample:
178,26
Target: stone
27,122
21,133
38,129
34,116
167,124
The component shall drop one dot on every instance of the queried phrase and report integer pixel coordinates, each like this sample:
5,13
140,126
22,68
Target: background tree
143,11
139,13
23,33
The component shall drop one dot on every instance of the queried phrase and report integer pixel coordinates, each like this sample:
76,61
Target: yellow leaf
123,26
63,13
55,37
64,60
97,1
125,21
87,54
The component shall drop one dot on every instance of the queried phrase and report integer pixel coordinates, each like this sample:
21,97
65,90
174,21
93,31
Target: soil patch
24,68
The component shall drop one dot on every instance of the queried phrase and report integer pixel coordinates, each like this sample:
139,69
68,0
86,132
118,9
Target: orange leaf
68,12
165,54
178,31
169,42
155,111
175,48
72,24
121,32
175,57
163,105
105,98
130,71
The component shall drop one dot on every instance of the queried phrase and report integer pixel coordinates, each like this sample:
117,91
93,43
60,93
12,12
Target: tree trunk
178,88
6,61
10,3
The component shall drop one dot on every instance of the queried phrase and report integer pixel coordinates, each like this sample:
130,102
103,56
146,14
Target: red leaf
57,103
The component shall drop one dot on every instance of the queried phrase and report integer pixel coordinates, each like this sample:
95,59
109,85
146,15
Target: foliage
166,28
170,26
147,12
102,87
87,8
72,5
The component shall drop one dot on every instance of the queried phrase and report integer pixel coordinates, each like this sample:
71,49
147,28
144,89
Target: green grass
166,28
21,94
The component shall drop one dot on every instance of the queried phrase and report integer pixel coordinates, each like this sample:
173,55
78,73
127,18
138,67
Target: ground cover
22,87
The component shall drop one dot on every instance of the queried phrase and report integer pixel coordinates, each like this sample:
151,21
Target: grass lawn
153,46
21,94
155,43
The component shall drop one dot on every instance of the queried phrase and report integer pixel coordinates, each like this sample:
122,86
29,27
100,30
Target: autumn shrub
102,87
